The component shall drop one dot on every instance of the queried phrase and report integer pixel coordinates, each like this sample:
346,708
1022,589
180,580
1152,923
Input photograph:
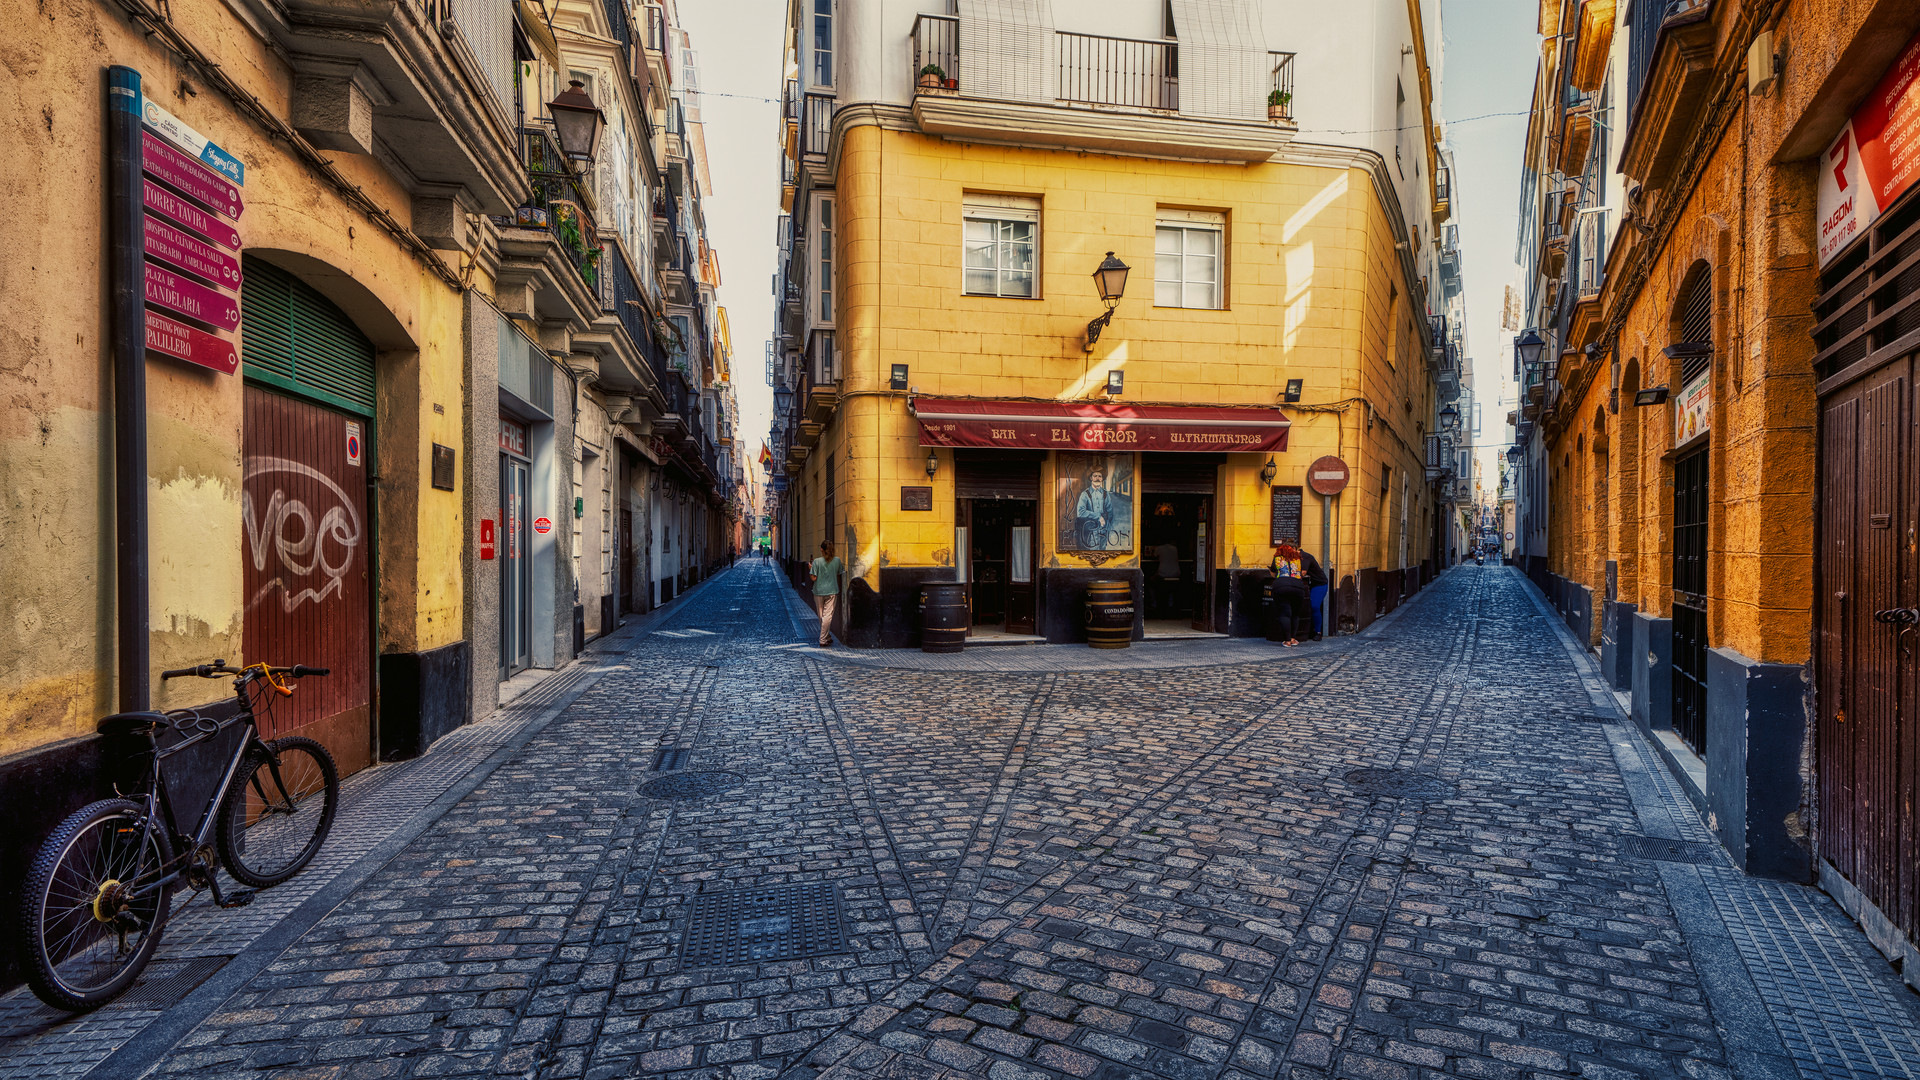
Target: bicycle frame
159,802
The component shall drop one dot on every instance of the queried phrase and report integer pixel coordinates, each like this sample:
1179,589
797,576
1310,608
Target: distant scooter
1479,558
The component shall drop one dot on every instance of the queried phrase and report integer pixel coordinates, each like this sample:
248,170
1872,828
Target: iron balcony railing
816,124
568,202
1281,83
622,297
1128,72
936,42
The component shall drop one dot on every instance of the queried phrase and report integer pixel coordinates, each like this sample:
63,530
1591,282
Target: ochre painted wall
1314,291
56,426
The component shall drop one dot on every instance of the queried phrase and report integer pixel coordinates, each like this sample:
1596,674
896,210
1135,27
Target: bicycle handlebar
219,668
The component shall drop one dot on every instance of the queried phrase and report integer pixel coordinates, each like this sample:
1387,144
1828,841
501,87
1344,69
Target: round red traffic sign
1328,475
542,525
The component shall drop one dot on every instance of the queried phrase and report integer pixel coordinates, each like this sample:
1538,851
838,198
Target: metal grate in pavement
694,785
670,758
757,925
1399,784
1659,849
166,982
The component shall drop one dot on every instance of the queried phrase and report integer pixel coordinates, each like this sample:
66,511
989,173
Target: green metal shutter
293,338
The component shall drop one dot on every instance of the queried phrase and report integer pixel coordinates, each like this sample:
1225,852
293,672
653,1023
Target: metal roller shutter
293,338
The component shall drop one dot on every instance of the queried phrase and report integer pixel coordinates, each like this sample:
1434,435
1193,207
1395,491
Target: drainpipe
126,237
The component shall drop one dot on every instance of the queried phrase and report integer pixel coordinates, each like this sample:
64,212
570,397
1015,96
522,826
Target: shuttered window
296,339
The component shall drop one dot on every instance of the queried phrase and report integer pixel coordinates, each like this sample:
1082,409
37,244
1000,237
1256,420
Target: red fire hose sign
486,538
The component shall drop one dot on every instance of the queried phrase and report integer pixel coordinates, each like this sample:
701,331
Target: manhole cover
1399,783
1658,849
166,982
757,925
693,785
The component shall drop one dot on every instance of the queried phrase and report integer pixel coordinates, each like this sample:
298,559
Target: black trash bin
1299,611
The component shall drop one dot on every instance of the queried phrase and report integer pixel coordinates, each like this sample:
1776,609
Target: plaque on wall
1286,516
443,467
916,498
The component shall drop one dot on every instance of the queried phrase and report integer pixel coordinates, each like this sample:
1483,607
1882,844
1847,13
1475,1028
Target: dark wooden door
1867,657
307,540
1690,600
1200,584
628,587
988,541
1020,594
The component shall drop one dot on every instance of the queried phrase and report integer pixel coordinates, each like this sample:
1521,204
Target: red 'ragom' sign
185,251
175,293
189,177
1098,425
1875,159
195,346
184,213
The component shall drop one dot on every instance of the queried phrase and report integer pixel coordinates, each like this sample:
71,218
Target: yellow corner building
950,415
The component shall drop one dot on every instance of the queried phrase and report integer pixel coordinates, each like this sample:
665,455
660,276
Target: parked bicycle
96,898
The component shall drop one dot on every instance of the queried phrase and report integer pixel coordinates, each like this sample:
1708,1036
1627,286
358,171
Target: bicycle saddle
133,723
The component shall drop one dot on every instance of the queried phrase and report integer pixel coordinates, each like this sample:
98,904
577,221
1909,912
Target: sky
1491,53
739,47
1485,89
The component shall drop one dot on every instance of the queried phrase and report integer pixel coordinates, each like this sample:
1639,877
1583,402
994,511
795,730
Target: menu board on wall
1876,157
1285,520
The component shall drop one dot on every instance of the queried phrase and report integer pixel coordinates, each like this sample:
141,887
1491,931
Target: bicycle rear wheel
278,811
85,935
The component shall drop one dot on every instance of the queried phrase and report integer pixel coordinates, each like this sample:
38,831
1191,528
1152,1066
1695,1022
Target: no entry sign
1328,475
542,525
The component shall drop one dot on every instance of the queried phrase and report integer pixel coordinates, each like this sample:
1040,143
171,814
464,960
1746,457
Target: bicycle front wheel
91,909
278,811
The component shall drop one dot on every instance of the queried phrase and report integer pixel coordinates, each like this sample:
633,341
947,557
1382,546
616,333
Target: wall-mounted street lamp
1449,417
1292,392
1514,454
1652,395
897,379
1268,472
1687,350
1116,382
577,122
782,398
1110,280
1528,346
933,464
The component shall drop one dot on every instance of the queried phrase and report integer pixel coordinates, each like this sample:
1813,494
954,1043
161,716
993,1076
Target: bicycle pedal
239,898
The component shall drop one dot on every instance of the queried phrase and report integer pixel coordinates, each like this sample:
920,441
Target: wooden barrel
1110,614
943,618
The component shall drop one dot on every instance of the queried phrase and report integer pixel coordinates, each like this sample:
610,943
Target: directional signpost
190,194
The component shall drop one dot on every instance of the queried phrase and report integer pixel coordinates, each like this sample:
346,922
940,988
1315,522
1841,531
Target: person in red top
1290,589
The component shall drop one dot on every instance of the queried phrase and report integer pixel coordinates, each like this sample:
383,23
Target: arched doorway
307,455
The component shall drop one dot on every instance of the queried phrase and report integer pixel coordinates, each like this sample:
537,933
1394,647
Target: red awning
1098,425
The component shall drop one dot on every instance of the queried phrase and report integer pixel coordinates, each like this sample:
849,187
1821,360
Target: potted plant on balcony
932,76
1278,102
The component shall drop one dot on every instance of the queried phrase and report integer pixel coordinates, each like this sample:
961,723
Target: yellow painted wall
1314,291
56,425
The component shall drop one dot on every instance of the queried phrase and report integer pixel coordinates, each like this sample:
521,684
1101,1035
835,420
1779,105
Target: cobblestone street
1433,848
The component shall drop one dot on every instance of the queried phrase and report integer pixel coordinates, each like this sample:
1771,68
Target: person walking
1290,591
826,590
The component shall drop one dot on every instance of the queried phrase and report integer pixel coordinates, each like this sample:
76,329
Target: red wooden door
309,598
1866,665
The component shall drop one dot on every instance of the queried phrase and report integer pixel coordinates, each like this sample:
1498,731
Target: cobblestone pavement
1416,852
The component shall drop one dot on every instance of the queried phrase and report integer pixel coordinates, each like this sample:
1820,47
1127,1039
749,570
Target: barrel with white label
1110,614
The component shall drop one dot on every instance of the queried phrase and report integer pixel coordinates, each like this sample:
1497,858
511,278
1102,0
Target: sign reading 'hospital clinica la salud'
190,194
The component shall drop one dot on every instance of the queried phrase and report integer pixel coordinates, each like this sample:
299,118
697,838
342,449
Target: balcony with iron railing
623,298
816,124
561,203
1123,93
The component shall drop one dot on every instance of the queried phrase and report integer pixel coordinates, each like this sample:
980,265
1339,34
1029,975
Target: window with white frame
823,219
823,42
1188,246
1001,236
